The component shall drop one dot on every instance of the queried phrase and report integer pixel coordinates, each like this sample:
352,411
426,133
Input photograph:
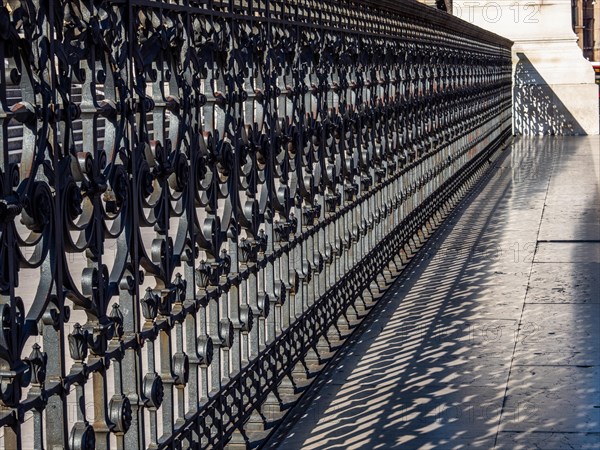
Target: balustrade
193,193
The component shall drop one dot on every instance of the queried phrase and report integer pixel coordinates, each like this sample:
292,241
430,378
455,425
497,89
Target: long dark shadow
401,373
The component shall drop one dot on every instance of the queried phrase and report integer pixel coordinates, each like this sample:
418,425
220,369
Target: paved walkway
493,338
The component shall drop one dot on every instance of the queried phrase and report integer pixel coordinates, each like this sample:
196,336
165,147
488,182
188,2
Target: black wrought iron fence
193,192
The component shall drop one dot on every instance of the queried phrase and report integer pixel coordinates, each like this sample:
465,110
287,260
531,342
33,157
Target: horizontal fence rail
192,193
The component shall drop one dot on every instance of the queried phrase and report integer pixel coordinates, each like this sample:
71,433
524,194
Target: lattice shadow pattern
538,110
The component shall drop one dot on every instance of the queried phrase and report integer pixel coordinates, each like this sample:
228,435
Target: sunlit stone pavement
492,337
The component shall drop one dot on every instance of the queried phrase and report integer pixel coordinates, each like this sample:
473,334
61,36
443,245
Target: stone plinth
554,89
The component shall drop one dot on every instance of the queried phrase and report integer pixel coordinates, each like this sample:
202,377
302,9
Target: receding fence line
192,193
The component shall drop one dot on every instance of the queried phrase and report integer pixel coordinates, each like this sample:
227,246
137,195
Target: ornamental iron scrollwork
193,192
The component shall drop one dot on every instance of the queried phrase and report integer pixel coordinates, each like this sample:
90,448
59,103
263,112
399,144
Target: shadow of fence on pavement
431,367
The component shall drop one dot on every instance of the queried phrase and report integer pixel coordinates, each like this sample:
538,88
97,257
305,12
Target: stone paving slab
553,399
567,252
493,339
527,440
561,333
564,283
570,229
571,197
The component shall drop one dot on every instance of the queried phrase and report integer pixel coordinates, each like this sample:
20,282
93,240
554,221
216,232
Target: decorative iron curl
190,191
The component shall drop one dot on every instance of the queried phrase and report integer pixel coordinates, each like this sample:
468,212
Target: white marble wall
554,89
